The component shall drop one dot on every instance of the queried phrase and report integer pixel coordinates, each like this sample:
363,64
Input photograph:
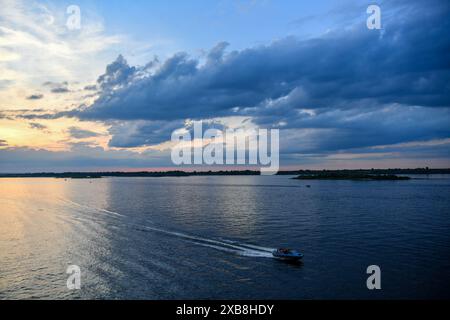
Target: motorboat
287,254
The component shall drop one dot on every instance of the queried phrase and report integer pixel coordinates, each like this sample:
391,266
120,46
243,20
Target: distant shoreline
351,176
302,174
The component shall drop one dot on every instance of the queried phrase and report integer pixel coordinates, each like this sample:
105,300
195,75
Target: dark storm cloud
127,134
141,133
406,63
335,129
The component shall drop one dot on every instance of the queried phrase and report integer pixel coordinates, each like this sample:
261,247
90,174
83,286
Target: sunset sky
107,96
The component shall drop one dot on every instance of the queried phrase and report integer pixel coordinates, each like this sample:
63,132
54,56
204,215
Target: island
349,176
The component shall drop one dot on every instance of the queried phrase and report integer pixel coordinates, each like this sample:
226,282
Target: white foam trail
228,246
246,253
243,249
112,212
250,246
91,208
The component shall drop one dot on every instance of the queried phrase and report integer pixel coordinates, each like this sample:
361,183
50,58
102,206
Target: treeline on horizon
179,173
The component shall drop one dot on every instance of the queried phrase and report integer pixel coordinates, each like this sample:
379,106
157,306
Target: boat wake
91,208
234,247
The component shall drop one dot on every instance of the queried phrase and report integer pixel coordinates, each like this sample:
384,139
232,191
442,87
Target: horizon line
187,172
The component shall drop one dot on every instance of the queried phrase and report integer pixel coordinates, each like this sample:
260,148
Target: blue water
211,237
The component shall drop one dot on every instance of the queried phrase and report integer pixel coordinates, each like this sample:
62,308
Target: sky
109,94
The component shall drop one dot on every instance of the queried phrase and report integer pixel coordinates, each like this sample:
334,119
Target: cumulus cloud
342,69
117,74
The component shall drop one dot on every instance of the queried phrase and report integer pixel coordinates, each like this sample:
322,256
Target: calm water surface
210,237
